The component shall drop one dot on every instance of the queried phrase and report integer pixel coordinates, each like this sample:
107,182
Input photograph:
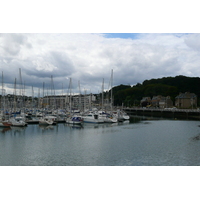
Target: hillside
166,86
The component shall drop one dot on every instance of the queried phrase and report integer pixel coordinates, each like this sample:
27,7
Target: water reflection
17,130
46,128
75,126
197,137
3,130
96,126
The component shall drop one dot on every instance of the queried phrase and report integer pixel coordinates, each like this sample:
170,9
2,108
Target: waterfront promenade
167,112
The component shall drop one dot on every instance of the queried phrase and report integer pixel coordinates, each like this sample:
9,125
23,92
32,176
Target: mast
32,97
61,99
24,93
15,95
53,93
20,89
111,90
102,105
38,98
80,105
84,100
43,96
3,95
70,95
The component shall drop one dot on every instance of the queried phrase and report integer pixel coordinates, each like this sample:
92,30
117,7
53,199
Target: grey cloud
89,59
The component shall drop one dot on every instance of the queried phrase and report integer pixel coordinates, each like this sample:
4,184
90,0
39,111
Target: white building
65,101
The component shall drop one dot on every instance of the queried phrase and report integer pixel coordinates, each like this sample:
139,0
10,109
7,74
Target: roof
186,95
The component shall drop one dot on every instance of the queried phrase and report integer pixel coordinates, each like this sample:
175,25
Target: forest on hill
166,86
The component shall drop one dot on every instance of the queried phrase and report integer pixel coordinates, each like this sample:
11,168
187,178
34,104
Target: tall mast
70,97
102,94
61,99
80,105
38,98
32,96
3,94
20,89
53,93
111,88
43,95
15,95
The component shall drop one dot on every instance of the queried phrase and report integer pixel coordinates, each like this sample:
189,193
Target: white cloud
193,41
89,58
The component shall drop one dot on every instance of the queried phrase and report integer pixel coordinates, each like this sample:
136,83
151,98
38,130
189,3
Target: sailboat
73,118
18,121
47,120
3,121
108,118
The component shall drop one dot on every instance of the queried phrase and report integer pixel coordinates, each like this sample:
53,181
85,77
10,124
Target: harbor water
138,142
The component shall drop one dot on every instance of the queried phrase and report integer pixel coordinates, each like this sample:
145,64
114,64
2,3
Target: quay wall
165,113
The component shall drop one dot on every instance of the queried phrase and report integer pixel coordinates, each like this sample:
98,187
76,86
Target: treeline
166,86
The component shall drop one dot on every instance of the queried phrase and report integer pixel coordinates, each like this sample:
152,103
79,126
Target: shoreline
165,113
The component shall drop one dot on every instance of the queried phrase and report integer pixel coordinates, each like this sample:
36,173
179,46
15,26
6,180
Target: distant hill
166,86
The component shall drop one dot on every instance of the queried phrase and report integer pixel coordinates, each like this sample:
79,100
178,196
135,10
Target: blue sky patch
122,35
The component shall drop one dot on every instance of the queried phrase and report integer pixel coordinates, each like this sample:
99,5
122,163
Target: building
165,102
186,100
145,101
155,101
65,101
161,102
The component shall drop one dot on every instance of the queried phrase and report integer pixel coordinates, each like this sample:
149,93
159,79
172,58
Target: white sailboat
17,121
47,120
125,116
73,117
108,118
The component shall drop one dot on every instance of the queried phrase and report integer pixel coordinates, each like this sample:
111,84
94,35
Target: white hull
47,120
92,117
72,122
18,121
126,117
107,118
97,121
121,116
110,120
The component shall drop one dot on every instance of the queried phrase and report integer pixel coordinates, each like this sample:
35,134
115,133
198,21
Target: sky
53,42
88,59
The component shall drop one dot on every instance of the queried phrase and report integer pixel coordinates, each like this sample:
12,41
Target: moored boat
108,118
17,121
92,118
47,120
75,119
5,123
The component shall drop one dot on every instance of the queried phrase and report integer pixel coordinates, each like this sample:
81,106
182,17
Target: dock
193,114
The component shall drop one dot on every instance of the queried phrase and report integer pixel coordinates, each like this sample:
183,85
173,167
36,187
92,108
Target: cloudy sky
89,58
85,41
